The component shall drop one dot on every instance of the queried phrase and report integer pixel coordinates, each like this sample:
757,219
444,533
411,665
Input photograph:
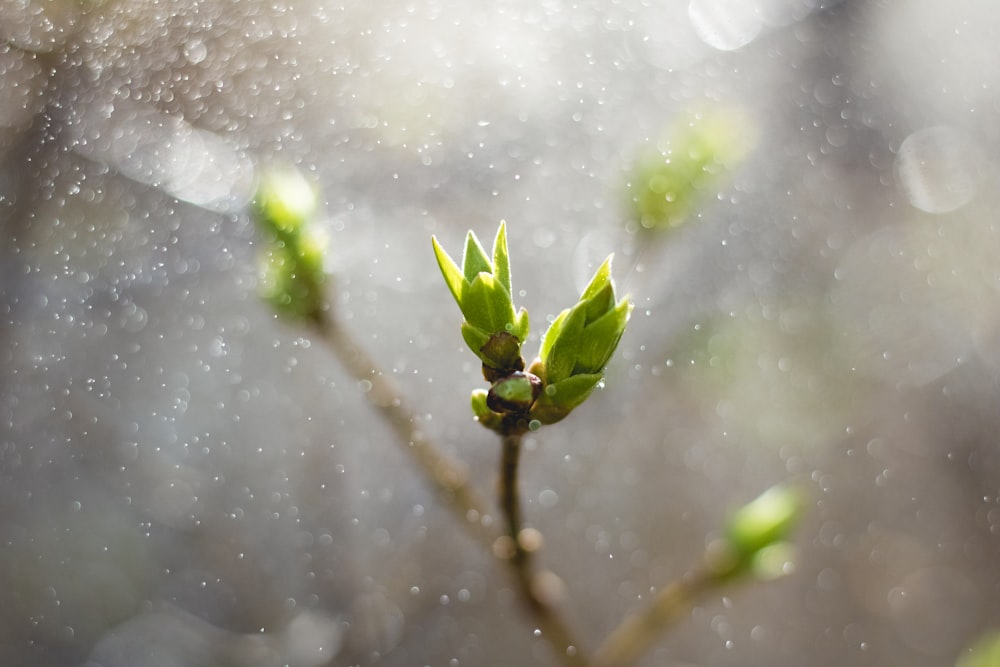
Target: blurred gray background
187,481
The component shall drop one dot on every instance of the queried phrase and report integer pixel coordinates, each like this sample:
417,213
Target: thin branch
532,590
510,500
450,480
639,631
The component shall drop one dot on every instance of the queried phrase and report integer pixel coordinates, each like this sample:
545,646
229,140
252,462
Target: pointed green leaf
452,274
601,278
601,302
558,400
521,325
476,339
600,339
564,349
474,259
486,304
551,334
501,260
572,391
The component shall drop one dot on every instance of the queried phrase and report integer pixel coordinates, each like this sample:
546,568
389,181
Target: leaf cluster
574,350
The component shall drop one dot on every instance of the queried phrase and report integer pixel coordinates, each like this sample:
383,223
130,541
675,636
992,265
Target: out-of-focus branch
639,631
446,476
753,547
450,480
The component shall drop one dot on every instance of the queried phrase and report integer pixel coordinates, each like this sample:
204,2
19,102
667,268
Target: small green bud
582,338
577,347
687,166
514,394
285,200
481,287
484,415
293,277
755,535
767,519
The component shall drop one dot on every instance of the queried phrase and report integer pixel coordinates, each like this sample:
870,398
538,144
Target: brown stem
642,629
532,583
510,500
446,476
450,480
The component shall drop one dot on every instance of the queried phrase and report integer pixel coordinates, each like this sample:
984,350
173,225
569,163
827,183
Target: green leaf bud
285,200
514,394
558,400
484,415
688,165
578,345
482,289
755,535
293,277
582,339
764,521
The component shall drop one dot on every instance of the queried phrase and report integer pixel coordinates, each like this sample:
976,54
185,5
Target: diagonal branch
519,557
450,480
639,631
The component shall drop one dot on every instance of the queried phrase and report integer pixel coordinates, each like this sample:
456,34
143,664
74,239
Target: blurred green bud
756,534
484,415
285,200
577,347
481,288
765,520
671,181
514,394
292,248
985,652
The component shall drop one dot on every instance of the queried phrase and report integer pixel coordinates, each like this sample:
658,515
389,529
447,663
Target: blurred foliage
774,380
671,180
985,652
756,535
293,278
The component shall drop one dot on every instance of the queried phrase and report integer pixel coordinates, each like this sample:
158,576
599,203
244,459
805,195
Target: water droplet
195,51
937,168
548,498
725,25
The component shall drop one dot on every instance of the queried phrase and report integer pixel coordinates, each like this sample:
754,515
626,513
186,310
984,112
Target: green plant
670,181
522,397
574,350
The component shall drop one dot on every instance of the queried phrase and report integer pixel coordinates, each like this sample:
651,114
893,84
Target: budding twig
450,480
